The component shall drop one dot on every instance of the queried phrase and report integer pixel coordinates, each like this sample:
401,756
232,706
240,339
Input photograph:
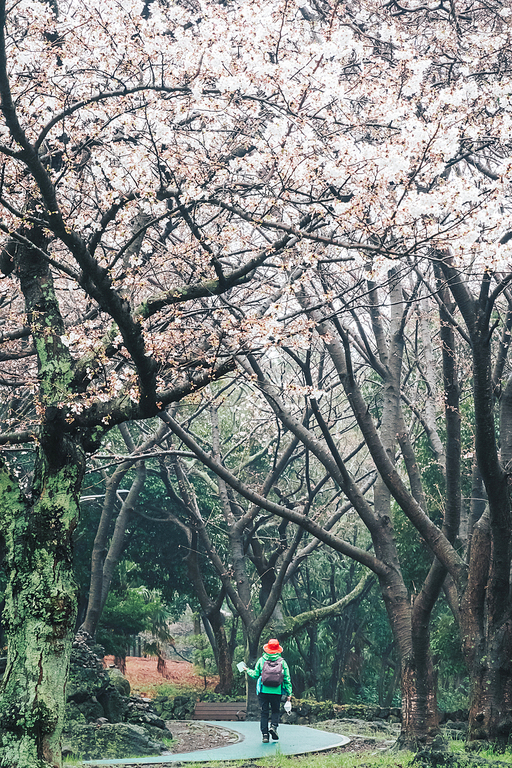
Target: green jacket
286,686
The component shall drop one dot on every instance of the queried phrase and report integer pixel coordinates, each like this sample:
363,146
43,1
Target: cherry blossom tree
166,178
485,613
481,577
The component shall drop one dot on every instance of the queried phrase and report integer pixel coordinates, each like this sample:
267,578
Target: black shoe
273,732
265,738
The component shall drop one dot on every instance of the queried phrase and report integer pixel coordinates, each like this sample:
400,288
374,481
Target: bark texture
39,615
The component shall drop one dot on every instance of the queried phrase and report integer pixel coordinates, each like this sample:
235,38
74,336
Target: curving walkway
293,740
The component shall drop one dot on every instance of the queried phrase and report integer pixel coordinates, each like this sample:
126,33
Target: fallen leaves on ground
143,675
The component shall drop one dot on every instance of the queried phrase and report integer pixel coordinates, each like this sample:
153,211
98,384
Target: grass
369,730
487,754
374,755
500,758
325,760
318,760
347,760
72,761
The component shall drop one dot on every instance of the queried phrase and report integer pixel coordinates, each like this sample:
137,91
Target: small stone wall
174,707
311,711
305,711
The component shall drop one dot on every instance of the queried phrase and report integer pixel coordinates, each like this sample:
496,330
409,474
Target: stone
119,681
91,709
155,733
113,704
141,711
87,678
102,719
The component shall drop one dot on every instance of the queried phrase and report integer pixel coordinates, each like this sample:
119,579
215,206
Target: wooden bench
219,710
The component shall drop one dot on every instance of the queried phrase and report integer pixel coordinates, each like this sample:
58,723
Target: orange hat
272,647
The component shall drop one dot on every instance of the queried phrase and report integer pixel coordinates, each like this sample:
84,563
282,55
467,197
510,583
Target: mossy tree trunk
37,531
39,614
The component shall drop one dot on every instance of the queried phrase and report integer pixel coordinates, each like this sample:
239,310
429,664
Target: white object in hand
241,666
288,707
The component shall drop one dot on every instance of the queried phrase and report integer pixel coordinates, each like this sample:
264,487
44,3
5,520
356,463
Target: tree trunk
487,647
313,676
419,708
390,677
420,719
420,722
486,619
490,714
37,532
39,614
223,656
252,656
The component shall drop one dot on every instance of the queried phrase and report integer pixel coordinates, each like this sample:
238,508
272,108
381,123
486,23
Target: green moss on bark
39,614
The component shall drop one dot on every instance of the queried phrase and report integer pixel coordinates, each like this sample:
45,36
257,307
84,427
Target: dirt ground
190,735
143,675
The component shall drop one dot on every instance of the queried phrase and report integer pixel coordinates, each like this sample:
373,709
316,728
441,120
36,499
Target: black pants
272,702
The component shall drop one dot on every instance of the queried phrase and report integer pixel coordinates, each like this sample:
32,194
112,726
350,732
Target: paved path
293,740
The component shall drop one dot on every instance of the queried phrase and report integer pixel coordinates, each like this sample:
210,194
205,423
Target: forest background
255,300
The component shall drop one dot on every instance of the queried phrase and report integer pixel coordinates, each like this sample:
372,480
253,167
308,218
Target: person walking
273,681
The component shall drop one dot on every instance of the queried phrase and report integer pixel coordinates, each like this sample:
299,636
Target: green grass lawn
347,760
368,759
